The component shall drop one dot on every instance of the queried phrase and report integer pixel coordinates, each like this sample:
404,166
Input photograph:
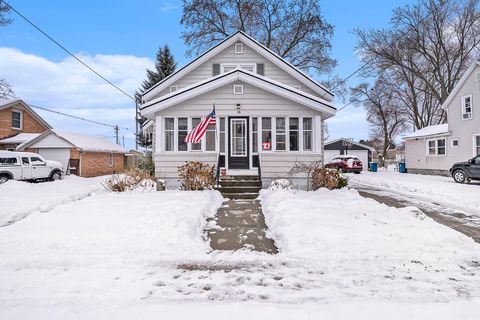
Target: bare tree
5,88
428,47
294,29
383,114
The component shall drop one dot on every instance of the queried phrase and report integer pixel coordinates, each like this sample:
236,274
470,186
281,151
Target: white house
269,113
434,149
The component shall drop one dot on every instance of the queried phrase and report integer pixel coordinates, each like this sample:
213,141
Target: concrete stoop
240,187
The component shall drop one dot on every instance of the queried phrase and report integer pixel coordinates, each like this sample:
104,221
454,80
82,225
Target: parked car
27,166
466,171
345,163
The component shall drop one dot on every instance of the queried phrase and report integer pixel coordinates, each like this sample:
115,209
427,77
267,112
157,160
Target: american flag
199,131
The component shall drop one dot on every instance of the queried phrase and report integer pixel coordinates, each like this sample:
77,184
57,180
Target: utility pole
116,134
123,140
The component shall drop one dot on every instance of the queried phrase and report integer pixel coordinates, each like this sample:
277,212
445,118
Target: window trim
238,45
237,86
21,119
237,66
471,107
436,147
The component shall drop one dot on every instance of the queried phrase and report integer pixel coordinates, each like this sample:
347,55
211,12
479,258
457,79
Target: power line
77,117
67,51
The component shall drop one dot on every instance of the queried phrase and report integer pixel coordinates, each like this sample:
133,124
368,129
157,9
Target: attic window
173,88
467,107
238,89
17,119
239,47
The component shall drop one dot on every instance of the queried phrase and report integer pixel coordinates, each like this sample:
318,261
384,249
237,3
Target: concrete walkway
240,224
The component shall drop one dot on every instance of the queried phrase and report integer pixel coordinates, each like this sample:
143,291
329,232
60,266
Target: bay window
182,134
307,134
293,134
266,134
169,134
280,131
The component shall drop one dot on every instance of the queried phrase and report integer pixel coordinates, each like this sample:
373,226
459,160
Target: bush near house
195,175
328,178
129,181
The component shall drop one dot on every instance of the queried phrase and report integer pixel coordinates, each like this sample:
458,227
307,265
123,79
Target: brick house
18,123
85,155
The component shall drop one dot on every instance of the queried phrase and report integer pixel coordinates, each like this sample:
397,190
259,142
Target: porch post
158,134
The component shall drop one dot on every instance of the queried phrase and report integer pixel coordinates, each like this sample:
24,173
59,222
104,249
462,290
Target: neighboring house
87,156
269,113
17,120
12,143
345,147
434,149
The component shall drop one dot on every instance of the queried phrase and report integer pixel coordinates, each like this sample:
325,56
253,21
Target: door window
238,137
25,161
37,161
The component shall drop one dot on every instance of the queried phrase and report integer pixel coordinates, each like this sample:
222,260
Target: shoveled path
240,224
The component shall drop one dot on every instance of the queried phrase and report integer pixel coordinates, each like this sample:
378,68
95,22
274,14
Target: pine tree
165,65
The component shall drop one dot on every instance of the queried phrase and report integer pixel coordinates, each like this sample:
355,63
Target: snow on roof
428,131
5,101
88,142
19,138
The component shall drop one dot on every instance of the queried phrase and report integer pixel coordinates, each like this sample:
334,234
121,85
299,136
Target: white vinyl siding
437,147
467,107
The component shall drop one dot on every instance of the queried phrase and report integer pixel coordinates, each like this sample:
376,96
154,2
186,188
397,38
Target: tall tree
165,65
383,114
5,88
294,29
427,48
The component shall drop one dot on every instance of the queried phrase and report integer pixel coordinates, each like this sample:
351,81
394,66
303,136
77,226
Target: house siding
228,55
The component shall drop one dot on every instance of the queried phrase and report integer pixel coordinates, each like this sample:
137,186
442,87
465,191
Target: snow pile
280,184
424,187
19,199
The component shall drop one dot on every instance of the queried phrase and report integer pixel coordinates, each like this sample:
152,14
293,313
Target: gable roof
352,142
19,138
460,83
254,79
8,103
252,43
434,130
81,141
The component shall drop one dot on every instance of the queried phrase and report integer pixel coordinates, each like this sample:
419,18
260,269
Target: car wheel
356,172
3,179
459,176
55,176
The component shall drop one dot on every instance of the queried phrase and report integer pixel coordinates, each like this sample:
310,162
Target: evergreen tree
165,65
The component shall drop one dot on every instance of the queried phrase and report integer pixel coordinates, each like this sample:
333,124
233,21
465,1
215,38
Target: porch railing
259,168
217,174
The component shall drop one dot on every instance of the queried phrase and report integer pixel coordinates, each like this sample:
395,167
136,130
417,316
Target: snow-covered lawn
143,255
433,188
19,199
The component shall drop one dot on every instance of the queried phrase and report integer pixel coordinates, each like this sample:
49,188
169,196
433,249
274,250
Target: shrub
147,165
195,175
128,181
280,184
328,178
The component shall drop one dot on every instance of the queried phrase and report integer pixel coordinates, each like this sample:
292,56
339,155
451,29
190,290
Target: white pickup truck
27,166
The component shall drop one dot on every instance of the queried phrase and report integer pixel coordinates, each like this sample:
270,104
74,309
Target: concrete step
233,183
242,195
239,177
239,189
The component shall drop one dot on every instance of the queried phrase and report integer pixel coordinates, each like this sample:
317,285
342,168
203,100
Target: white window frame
285,131
312,130
165,130
238,47
471,107
245,122
235,86
21,119
475,135
190,128
173,88
436,147
238,66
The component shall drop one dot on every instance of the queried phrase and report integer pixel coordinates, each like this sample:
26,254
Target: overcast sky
119,39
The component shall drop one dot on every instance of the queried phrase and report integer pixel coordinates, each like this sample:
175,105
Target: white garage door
60,155
362,155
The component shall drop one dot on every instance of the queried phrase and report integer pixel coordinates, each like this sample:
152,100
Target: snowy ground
442,190
144,255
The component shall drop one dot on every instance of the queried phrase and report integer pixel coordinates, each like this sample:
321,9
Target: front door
238,153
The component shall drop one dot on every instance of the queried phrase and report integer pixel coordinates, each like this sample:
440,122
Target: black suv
466,171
